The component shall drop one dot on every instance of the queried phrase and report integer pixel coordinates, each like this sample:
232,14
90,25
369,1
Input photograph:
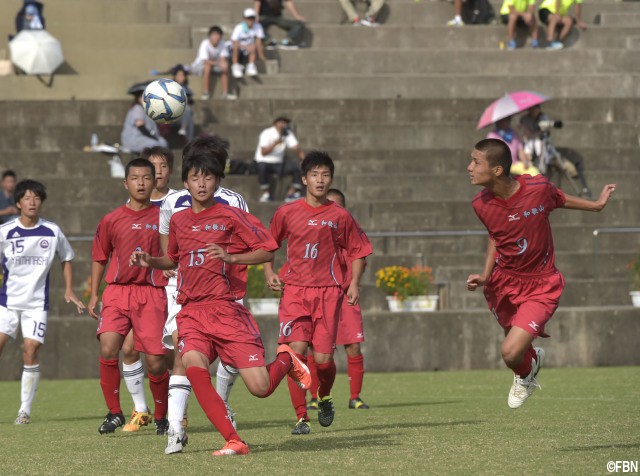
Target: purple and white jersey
27,256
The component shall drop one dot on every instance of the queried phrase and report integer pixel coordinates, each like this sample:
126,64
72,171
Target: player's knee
156,367
510,355
353,350
30,355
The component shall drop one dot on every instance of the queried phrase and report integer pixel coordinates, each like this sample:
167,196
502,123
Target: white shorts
34,323
171,325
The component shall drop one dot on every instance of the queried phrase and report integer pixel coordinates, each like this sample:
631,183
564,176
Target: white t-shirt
208,52
27,256
267,138
247,36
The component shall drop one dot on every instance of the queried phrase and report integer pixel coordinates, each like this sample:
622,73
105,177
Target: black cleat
313,404
326,411
303,427
111,422
358,404
162,426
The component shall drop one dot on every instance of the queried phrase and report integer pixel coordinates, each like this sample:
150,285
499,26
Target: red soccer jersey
320,243
119,234
520,225
202,279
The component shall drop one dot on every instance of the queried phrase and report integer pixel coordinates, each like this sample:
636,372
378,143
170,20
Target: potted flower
634,271
407,289
261,299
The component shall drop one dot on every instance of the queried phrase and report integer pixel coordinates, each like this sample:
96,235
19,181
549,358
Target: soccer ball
164,101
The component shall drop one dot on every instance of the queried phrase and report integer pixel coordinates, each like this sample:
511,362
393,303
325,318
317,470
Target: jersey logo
253,357
136,226
534,211
16,235
330,224
514,217
181,345
151,227
312,223
534,326
195,227
44,244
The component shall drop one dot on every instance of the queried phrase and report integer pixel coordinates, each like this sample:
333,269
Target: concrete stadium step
621,19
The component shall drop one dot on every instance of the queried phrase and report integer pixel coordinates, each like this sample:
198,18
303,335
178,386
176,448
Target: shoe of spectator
292,196
229,97
511,45
271,44
369,21
182,132
236,70
457,21
555,45
205,96
265,197
252,70
535,43
356,22
287,44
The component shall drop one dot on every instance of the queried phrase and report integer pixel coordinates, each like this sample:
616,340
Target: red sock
110,383
211,402
277,371
355,371
524,368
314,376
532,352
160,391
298,396
326,377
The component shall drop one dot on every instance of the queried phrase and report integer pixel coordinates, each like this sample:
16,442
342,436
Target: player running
521,283
322,237
28,245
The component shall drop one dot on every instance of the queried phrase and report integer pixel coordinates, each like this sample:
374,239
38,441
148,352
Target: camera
285,132
548,124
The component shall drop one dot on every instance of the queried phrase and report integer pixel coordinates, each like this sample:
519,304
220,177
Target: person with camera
271,158
521,161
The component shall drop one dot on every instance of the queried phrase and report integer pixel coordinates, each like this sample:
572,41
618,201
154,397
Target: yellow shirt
564,6
520,6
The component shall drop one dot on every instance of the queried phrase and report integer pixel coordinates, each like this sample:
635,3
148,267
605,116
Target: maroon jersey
519,226
202,279
119,234
320,243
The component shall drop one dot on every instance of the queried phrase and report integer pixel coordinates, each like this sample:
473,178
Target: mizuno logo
313,223
514,217
195,227
136,226
534,326
253,358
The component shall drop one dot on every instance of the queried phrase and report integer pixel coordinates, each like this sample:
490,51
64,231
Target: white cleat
176,442
231,415
522,388
23,419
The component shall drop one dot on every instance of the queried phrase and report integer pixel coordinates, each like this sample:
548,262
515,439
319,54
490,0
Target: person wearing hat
271,158
247,45
139,131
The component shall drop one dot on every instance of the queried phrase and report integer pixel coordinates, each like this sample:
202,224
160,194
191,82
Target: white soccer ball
164,101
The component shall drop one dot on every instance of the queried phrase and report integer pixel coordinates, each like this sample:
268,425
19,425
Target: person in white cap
247,44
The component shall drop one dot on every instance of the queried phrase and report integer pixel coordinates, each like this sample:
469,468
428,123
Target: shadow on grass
98,418
414,404
602,447
390,426
247,425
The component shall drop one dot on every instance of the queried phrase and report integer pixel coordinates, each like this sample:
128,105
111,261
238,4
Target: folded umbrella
508,105
36,52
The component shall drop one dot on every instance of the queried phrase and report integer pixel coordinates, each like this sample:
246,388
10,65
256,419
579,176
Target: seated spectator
8,209
555,14
30,16
139,131
519,12
213,55
369,17
271,158
270,13
247,46
521,162
457,19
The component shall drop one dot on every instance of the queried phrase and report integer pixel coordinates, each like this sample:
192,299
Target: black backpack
477,12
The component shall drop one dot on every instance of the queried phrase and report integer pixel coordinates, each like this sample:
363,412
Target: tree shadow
389,426
614,446
414,404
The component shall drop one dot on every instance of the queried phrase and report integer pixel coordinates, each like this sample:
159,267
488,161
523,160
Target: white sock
30,379
179,391
225,378
134,378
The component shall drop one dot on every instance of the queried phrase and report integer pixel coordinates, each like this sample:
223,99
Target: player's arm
252,257
353,292
577,203
164,245
475,280
69,295
97,273
145,260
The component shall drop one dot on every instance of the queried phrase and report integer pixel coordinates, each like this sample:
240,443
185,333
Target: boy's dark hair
215,29
316,158
497,152
28,185
207,154
139,162
335,191
158,151
8,173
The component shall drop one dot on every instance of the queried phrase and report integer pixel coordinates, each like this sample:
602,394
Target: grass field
420,423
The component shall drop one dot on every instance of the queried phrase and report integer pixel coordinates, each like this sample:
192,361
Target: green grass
439,423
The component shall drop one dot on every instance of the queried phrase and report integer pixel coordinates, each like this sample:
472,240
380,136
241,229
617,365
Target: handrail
596,251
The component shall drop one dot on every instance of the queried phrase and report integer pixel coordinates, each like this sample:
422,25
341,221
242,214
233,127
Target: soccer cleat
23,418
555,45
522,388
232,417
111,422
162,426
303,427
313,404
252,70
176,442
358,404
233,447
298,371
326,411
138,420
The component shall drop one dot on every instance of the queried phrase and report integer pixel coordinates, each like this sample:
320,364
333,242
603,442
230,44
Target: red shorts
141,307
524,301
350,329
310,314
222,329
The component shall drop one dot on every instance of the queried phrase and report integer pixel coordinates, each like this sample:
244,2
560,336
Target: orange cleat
138,420
233,447
298,372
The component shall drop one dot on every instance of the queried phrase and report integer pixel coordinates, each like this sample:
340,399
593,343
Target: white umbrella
36,52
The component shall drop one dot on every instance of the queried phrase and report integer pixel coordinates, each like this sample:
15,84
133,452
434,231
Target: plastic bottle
94,140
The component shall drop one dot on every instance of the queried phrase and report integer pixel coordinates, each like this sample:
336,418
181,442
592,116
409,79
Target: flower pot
264,306
413,303
635,298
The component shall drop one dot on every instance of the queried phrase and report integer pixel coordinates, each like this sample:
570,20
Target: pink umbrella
508,105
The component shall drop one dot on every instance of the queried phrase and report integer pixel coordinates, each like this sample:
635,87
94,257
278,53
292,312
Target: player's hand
139,258
474,281
93,302
169,273
605,195
353,294
273,282
70,296
216,252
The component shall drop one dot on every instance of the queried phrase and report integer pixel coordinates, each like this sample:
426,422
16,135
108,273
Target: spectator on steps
270,13
30,16
369,17
8,209
457,19
247,46
555,14
519,13
139,131
521,162
213,56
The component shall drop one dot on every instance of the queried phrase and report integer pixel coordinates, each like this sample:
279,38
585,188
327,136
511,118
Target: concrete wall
460,340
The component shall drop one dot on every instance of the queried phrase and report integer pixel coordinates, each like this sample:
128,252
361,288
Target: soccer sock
225,381
134,378
30,379
160,391
524,368
532,352
110,383
326,377
278,370
298,399
311,363
179,391
355,371
211,402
